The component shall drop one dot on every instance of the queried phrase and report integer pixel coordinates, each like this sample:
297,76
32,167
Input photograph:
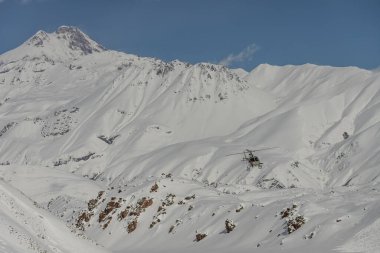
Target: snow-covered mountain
133,153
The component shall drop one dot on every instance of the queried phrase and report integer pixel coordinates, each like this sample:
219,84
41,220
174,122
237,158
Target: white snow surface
79,122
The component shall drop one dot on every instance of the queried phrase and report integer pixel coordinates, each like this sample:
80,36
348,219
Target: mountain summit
70,36
65,44
77,40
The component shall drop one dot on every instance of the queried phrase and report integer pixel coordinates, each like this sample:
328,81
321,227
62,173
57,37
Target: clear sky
237,33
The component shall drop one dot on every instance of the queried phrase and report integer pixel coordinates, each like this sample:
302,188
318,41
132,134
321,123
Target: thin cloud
245,55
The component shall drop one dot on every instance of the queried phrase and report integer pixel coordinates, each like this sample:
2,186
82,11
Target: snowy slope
325,102
86,132
27,228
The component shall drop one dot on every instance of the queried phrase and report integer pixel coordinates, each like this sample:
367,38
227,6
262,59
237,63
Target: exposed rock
92,204
74,159
270,183
295,223
123,214
108,140
190,197
132,226
111,205
199,237
78,40
145,202
169,200
7,127
83,158
154,188
38,39
239,209
229,225
288,211
83,217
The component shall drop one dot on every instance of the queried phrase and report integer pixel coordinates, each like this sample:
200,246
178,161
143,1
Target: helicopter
250,158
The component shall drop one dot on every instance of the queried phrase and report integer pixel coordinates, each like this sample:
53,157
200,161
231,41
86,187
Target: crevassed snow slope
77,119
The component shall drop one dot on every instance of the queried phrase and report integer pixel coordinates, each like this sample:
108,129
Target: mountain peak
38,39
69,37
67,28
77,40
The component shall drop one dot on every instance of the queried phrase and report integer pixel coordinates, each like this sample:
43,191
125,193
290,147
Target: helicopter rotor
251,151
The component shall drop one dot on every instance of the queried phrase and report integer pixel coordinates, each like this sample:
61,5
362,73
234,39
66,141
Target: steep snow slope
325,102
26,228
307,127
87,132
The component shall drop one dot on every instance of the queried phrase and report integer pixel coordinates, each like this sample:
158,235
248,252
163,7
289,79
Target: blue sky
237,33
